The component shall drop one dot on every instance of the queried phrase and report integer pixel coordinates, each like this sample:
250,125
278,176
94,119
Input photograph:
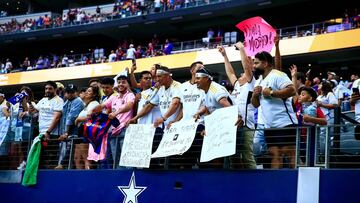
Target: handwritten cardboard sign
220,138
136,150
259,35
177,139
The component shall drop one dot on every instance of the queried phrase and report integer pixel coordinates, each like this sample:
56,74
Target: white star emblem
131,191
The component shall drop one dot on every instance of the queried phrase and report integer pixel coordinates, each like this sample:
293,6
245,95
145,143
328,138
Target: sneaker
59,167
22,165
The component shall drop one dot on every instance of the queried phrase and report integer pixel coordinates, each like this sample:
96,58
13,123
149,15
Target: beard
258,72
49,95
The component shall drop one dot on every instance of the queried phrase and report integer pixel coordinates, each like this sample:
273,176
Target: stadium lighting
123,26
206,14
57,35
150,22
177,18
264,3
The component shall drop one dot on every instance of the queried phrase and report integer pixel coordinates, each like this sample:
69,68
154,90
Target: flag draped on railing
32,166
96,127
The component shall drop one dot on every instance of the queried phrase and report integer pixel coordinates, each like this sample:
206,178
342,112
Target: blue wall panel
265,186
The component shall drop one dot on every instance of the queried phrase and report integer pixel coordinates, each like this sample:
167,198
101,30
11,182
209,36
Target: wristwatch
272,93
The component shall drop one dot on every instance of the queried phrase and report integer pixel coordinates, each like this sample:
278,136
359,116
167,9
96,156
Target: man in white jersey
243,89
273,91
167,98
192,96
145,96
50,110
355,99
216,96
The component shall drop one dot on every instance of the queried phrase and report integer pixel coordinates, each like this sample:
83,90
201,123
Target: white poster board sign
220,138
4,127
177,139
137,146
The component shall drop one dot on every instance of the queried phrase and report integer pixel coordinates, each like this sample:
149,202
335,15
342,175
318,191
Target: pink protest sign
259,35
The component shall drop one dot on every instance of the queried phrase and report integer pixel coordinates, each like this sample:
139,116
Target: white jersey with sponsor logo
213,96
356,84
242,98
192,98
46,108
164,98
276,112
146,96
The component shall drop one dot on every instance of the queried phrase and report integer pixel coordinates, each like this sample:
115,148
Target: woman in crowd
21,127
92,98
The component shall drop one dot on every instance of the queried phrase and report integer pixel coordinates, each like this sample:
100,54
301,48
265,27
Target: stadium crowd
156,98
77,16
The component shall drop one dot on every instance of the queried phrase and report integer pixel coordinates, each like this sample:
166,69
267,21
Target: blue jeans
113,151
260,146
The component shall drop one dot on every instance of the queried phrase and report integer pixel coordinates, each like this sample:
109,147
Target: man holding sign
243,89
216,97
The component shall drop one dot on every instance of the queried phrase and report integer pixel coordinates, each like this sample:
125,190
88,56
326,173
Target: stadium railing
315,146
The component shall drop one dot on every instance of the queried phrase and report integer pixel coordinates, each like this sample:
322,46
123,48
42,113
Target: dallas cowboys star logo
131,191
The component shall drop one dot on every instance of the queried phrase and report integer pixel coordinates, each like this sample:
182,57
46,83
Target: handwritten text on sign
136,150
259,35
177,139
220,139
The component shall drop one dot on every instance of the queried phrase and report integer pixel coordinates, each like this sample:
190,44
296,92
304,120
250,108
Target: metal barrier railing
312,146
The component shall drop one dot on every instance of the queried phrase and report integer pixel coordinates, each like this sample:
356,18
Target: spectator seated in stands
130,53
26,64
210,35
8,66
40,64
168,47
112,56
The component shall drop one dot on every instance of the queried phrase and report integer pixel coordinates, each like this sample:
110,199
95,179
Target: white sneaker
22,165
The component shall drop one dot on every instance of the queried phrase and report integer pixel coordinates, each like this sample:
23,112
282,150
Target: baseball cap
331,73
70,88
59,85
309,90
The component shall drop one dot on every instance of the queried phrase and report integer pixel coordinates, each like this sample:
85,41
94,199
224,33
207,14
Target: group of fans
267,100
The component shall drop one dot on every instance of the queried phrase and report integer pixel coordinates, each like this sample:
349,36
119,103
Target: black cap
70,88
309,90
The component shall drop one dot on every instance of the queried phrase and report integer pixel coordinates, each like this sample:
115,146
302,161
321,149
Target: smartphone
355,90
